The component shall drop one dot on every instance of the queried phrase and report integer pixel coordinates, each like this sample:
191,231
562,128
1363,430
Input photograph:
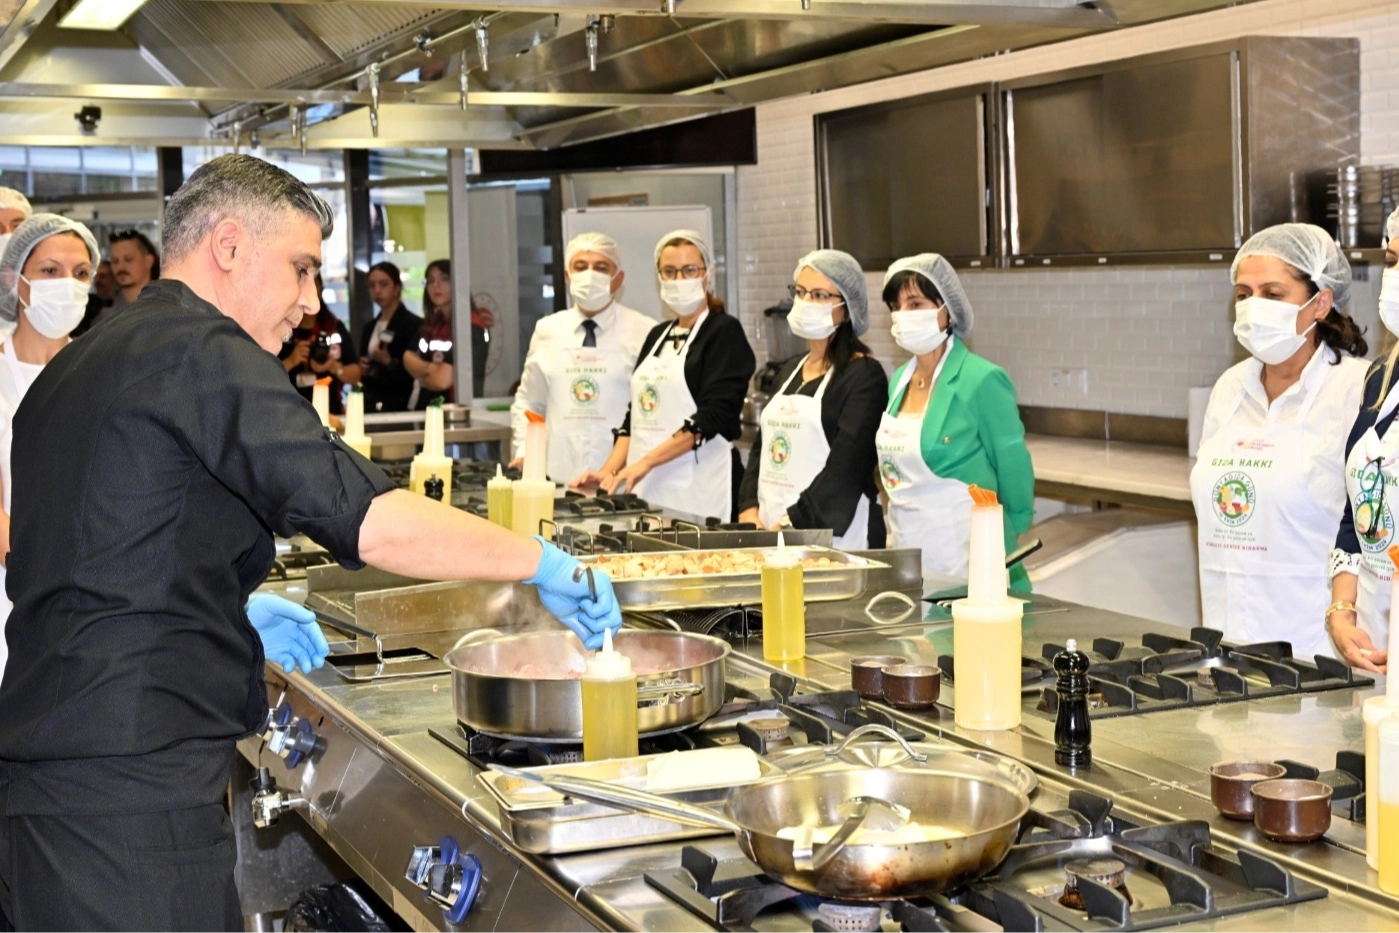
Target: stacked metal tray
847,580
543,821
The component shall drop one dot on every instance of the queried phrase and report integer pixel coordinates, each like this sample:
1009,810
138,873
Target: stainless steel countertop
1153,765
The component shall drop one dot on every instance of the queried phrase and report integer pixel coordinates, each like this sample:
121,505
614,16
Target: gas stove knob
447,876
278,719
297,743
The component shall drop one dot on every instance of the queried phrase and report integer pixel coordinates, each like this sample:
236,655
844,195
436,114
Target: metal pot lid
877,746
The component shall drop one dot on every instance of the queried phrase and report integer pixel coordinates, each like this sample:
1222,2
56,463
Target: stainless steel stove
1077,868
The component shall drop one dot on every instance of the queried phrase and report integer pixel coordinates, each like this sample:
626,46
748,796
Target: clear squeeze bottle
354,437
609,704
784,605
533,497
499,498
1374,712
986,628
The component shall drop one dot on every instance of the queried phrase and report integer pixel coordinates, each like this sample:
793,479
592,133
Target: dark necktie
590,338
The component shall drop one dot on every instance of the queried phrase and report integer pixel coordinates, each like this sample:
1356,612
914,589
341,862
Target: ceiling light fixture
99,14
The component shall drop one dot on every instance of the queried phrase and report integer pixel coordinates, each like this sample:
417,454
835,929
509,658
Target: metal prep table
384,785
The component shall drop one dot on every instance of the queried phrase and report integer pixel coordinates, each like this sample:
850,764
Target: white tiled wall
1145,335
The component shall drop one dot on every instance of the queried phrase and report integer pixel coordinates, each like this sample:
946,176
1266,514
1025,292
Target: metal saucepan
527,686
973,822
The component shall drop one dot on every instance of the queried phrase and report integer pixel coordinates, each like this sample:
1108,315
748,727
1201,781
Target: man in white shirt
578,369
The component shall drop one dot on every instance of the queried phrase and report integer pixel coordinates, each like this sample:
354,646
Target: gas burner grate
1193,881
1165,672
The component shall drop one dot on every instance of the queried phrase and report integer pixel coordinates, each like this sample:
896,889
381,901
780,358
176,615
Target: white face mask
1389,300
56,306
811,320
683,296
590,289
918,331
1268,328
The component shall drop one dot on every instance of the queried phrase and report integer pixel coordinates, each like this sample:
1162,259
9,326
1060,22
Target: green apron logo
650,398
1234,499
780,450
585,390
890,474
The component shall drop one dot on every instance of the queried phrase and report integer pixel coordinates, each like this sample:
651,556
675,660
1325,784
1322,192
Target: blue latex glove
569,600
289,633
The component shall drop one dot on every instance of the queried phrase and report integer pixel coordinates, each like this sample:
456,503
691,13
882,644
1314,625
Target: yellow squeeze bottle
433,459
499,498
986,628
609,705
1388,815
784,605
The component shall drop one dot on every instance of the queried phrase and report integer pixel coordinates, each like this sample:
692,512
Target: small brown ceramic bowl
1292,810
912,686
1231,785
867,674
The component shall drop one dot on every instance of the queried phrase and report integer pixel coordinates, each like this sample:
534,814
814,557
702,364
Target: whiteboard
637,230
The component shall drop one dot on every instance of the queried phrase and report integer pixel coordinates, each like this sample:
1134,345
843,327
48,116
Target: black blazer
717,370
387,388
1376,388
851,411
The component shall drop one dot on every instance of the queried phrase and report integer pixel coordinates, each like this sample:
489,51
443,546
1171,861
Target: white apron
13,385
1264,536
926,511
698,483
587,398
795,452
1371,454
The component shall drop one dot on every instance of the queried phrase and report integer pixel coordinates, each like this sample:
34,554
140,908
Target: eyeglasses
442,281
1369,483
671,273
820,296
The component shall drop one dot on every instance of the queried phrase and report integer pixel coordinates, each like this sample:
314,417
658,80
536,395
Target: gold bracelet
1339,605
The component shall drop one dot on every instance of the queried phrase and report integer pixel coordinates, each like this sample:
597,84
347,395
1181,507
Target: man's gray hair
242,187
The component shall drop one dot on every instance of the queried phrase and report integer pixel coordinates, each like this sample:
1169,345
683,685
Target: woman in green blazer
951,423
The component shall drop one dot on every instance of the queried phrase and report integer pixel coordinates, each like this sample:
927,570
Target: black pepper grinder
434,488
1073,732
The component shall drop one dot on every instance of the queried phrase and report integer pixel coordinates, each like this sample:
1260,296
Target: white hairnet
27,236
845,272
943,277
13,200
692,236
1308,249
591,242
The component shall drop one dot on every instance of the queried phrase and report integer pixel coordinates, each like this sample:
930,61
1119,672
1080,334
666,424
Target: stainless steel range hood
555,73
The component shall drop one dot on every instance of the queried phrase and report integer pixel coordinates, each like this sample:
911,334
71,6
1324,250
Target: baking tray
544,822
825,584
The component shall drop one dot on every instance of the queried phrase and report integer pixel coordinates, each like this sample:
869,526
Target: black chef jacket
153,461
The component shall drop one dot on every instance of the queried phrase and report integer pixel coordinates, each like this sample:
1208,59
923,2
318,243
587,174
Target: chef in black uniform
153,462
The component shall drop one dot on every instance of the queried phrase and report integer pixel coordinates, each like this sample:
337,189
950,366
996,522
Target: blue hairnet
28,235
845,272
1308,249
